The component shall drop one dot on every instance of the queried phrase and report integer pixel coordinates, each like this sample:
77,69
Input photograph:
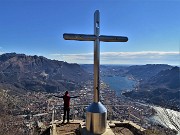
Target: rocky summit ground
68,129
122,131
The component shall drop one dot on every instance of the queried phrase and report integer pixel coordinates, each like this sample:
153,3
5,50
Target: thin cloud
143,57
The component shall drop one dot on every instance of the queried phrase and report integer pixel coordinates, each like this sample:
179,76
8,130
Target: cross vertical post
96,113
96,56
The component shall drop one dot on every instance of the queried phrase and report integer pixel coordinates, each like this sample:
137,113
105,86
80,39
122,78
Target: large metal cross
92,124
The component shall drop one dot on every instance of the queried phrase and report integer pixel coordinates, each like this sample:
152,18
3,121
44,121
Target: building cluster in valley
40,107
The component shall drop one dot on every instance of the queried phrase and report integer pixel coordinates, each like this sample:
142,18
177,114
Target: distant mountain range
158,84
167,78
20,72
145,72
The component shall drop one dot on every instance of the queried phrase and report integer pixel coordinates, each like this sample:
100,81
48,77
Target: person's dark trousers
66,110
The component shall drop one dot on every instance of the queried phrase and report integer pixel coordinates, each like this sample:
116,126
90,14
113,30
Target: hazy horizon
129,64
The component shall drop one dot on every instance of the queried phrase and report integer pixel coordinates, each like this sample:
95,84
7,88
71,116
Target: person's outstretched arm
58,96
74,97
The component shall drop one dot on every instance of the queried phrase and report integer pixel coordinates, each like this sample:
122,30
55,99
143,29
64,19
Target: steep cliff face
38,73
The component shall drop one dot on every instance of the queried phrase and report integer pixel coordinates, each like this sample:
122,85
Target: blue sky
36,27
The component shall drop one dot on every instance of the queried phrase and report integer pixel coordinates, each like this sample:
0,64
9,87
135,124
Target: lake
118,83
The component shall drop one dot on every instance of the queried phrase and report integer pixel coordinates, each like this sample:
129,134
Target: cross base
96,118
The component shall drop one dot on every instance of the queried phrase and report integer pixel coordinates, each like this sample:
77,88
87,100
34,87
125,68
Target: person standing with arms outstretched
66,99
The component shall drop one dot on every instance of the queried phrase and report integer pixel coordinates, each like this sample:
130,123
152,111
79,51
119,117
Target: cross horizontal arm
87,37
112,38
80,37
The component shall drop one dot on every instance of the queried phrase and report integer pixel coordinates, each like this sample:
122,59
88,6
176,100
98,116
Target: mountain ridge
38,73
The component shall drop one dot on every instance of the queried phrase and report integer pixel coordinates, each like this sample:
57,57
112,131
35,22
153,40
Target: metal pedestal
96,118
